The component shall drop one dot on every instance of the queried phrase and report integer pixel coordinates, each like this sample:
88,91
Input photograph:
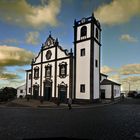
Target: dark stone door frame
47,84
62,87
35,91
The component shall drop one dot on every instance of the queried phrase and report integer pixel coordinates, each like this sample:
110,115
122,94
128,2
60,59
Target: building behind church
58,73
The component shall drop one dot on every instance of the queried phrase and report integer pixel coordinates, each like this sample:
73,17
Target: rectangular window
48,71
30,76
82,88
82,52
36,73
21,91
96,63
63,70
97,33
29,90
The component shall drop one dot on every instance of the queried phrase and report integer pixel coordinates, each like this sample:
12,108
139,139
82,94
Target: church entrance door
35,91
47,90
62,93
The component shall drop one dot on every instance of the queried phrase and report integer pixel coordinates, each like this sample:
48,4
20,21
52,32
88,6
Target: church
57,73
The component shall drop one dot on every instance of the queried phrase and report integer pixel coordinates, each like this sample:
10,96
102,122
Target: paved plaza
118,121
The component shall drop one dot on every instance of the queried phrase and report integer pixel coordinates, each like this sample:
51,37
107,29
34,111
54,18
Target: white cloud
131,83
115,77
130,69
118,11
14,56
32,38
125,76
106,69
128,38
22,13
10,41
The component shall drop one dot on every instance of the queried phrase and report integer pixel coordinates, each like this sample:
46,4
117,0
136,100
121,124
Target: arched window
97,33
84,32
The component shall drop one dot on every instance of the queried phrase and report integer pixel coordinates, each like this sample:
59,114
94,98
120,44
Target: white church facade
62,74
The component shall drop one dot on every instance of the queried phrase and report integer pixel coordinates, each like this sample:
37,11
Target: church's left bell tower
87,43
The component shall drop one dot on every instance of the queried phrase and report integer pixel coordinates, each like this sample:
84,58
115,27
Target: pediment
49,42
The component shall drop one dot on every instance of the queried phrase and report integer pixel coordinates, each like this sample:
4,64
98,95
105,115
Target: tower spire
50,34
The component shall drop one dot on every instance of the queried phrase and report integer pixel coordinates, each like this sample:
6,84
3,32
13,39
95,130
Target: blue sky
25,25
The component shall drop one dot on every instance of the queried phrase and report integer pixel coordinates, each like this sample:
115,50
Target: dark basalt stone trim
99,70
63,50
32,79
55,78
54,60
28,70
92,62
27,79
88,20
70,75
43,49
41,74
112,92
75,35
86,39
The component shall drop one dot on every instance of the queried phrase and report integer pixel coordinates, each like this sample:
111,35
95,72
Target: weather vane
50,33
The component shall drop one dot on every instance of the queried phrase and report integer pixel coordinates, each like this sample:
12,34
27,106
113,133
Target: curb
64,107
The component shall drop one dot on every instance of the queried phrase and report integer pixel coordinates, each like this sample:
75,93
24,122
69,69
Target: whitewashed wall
38,58
107,89
96,72
52,78
66,79
60,53
53,54
83,70
116,91
34,81
28,83
23,88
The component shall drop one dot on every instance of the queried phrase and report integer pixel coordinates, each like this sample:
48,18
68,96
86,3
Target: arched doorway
62,92
35,91
47,89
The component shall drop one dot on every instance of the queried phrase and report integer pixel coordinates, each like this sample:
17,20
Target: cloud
4,75
12,83
128,38
131,83
118,11
106,69
20,12
7,76
32,38
115,77
10,41
130,69
127,75
14,56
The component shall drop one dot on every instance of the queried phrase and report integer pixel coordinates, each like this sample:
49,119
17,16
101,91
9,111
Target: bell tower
87,43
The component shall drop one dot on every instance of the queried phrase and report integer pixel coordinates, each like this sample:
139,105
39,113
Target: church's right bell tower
87,44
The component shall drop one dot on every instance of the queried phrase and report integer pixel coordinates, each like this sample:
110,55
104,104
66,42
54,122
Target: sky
26,24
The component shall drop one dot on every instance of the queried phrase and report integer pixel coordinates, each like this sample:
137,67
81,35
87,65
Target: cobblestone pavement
119,121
